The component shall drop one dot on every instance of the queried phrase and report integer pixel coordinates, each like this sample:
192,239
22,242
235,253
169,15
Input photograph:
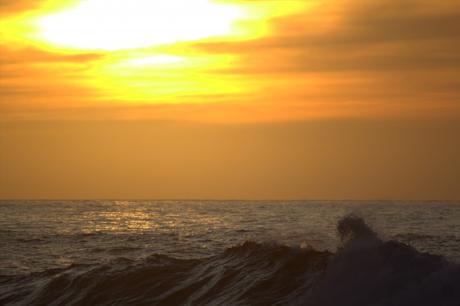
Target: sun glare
119,24
145,48
154,60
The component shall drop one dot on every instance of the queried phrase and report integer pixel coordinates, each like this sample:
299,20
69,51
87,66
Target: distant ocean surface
229,253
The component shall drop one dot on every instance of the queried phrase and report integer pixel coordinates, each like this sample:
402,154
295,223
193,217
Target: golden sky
229,60
228,66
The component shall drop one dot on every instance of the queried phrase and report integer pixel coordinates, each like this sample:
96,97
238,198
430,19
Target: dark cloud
362,56
365,35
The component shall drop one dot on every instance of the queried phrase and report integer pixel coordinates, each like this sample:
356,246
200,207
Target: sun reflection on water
122,219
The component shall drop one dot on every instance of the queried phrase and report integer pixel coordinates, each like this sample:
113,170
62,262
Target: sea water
229,253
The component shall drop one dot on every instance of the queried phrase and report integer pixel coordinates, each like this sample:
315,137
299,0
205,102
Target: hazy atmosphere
327,159
279,100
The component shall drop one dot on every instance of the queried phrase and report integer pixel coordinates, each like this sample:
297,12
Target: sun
145,51
120,24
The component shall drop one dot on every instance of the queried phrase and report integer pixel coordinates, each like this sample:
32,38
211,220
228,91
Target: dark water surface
229,253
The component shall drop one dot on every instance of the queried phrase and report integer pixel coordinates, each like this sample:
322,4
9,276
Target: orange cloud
343,58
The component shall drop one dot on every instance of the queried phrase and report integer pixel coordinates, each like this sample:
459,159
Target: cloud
392,57
342,58
357,35
9,7
31,55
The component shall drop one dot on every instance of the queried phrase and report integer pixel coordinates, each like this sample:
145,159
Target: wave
365,270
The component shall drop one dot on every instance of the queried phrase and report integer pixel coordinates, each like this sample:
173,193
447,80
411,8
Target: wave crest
353,227
364,271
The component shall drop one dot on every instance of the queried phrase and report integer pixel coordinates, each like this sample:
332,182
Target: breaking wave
365,270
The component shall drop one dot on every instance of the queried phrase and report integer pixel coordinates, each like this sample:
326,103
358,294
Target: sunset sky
256,99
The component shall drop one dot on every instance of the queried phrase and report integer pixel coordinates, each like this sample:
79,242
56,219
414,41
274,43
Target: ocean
229,253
